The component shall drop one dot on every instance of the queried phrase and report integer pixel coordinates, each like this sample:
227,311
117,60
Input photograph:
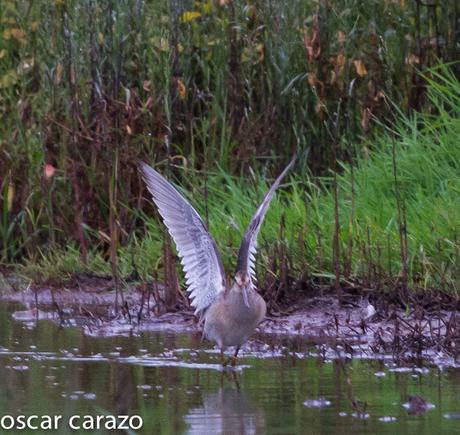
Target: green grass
298,231
61,264
428,180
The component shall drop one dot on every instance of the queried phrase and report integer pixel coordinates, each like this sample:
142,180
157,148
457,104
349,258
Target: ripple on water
360,415
144,387
387,419
321,402
19,368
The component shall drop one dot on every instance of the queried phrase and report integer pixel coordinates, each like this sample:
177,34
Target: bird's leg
234,358
230,360
227,361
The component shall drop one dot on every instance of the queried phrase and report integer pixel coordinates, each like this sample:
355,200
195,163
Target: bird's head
242,279
243,283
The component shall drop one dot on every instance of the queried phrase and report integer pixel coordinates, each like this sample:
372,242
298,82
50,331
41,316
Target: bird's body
230,312
229,322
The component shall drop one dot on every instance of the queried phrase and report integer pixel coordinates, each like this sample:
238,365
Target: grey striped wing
246,254
204,273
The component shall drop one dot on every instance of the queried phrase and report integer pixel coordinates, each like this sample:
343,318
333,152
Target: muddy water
46,370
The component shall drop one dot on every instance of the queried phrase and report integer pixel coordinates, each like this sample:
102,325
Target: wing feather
248,248
200,259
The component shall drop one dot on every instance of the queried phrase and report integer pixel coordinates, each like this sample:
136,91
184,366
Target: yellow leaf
129,129
161,44
360,67
189,16
10,197
8,20
341,37
2,53
340,60
58,74
34,25
412,60
181,89
14,33
18,34
333,77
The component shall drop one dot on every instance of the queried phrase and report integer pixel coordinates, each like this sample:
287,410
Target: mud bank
353,328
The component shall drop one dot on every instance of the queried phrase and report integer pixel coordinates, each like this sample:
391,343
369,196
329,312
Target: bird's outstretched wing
248,248
203,268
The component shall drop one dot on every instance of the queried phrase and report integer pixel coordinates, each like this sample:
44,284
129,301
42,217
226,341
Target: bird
229,311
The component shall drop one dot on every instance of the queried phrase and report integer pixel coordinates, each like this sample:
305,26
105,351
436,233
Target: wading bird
230,312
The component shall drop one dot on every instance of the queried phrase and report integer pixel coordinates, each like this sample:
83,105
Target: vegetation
220,94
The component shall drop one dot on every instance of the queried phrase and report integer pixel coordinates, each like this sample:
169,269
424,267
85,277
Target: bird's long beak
245,296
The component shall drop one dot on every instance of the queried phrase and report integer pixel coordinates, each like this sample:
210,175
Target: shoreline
351,329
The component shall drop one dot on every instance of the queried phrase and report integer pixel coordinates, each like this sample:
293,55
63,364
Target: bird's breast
230,322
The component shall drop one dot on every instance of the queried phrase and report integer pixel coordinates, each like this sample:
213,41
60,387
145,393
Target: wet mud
320,325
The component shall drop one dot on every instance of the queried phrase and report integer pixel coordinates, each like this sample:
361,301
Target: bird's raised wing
246,254
203,268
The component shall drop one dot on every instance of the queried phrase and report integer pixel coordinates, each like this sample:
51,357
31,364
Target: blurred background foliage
209,90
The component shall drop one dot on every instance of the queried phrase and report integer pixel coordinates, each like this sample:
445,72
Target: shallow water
47,370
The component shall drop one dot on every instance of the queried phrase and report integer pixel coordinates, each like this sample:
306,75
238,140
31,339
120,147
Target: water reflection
228,411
